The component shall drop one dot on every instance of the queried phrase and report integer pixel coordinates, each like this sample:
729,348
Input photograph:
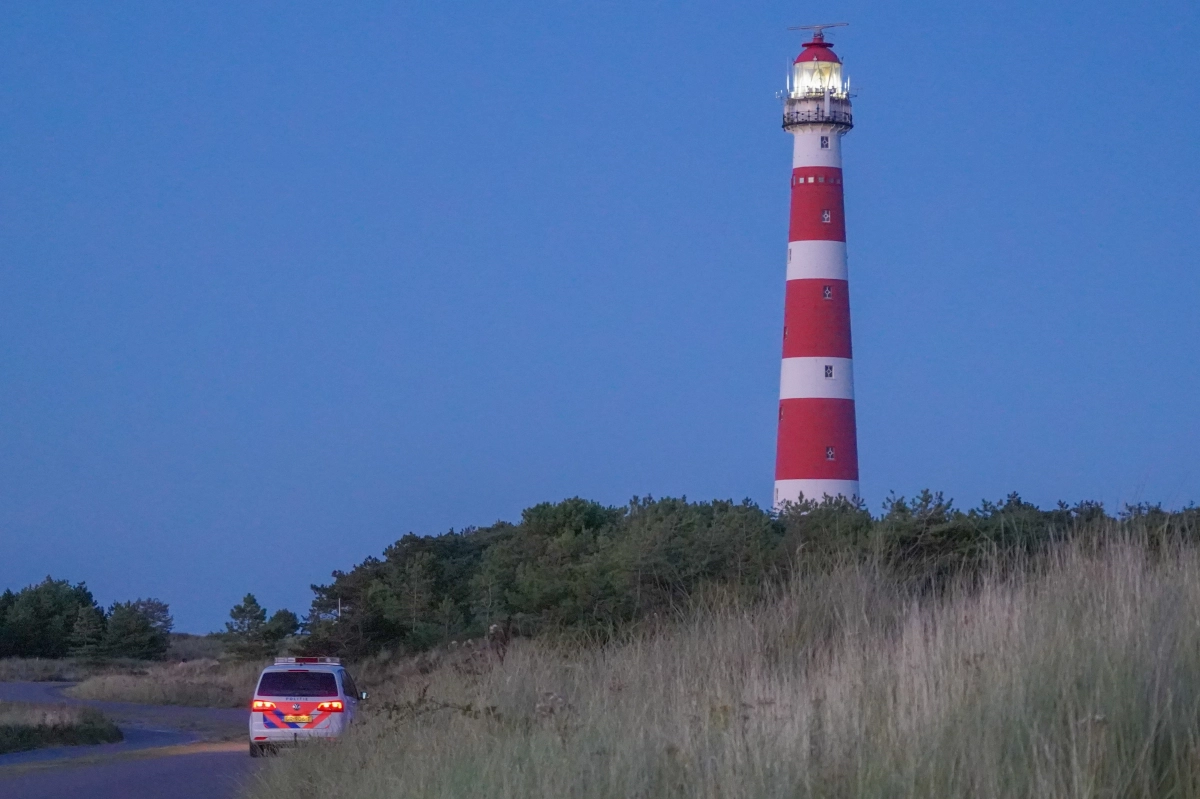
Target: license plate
298,719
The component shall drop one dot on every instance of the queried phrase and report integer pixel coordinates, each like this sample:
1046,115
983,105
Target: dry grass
1078,679
58,670
29,726
185,646
196,683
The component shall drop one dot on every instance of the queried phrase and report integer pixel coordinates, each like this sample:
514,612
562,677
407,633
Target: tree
87,636
38,620
416,589
449,617
281,624
139,629
251,636
8,644
244,631
157,613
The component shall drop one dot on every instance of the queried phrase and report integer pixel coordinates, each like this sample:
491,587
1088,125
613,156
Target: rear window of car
297,683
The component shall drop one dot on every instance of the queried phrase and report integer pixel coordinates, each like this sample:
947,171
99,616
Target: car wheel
255,750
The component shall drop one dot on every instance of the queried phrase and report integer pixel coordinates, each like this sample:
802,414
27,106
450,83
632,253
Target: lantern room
817,72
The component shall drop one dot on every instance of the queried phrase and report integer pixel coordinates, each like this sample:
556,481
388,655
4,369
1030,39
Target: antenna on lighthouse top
818,30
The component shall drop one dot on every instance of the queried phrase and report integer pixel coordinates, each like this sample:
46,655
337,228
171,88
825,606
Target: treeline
55,619
582,566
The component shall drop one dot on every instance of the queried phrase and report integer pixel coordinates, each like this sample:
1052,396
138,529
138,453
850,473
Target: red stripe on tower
817,445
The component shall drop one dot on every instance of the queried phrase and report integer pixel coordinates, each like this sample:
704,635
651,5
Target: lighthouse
817,446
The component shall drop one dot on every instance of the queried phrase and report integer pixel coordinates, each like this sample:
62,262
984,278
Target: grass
29,726
183,647
1075,676
63,669
195,683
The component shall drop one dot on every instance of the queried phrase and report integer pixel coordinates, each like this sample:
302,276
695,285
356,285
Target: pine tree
157,613
251,636
137,630
449,617
281,624
87,635
417,592
244,631
38,619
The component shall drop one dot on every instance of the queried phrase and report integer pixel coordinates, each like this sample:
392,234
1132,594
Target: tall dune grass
1075,676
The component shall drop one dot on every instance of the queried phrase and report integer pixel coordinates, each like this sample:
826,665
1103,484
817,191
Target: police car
301,698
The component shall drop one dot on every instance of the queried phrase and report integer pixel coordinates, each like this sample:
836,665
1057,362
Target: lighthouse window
827,292
820,179
828,368
829,454
826,217
824,142
810,178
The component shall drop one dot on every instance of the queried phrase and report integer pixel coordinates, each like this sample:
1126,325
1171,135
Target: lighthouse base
816,490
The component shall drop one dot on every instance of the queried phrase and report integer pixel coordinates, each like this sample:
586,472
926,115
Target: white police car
301,698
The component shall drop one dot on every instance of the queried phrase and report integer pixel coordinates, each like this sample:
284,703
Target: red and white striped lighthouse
817,449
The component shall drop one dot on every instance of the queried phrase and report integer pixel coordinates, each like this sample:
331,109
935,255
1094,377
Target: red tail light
331,707
259,706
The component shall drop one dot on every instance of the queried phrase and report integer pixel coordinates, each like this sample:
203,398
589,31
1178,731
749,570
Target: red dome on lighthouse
817,50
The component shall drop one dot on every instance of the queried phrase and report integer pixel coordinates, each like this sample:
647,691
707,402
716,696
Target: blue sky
282,282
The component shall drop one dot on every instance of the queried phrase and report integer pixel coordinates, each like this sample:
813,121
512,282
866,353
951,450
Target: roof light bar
289,661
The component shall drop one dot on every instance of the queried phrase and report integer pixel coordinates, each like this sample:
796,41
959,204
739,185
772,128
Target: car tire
255,750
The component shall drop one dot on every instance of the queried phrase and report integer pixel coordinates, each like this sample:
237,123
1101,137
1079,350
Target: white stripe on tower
817,450
821,376
813,259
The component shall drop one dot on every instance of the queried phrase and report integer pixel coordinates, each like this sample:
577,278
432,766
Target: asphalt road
167,752
198,775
